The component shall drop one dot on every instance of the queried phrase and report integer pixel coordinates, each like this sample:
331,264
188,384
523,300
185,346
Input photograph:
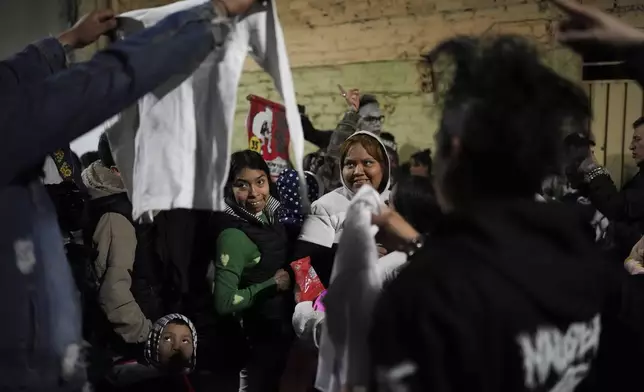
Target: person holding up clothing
45,105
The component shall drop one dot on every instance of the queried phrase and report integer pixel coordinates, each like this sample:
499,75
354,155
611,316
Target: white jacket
325,223
356,283
177,152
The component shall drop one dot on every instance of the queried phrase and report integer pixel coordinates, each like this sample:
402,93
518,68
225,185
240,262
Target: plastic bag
308,285
318,305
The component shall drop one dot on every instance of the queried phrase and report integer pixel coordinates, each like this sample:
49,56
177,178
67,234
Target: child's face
175,345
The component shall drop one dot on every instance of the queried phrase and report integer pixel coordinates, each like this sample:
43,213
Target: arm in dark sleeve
428,331
33,64
318,137
50,114
396,344
346,127
617,205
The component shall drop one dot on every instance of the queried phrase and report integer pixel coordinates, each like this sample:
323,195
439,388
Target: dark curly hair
367,99
424,158
509,113
414,199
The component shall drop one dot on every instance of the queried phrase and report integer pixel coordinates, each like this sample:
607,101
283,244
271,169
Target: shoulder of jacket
113,223
115,219
332,203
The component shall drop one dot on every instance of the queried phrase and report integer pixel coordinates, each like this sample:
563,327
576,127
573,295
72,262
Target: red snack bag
308,285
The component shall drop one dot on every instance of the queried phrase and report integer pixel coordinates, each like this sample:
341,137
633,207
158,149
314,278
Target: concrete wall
374,45
25,21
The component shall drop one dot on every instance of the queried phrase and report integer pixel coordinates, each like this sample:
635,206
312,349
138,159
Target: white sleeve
318,228
389,266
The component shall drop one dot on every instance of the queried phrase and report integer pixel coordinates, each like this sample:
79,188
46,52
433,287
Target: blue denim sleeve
48,115
33,64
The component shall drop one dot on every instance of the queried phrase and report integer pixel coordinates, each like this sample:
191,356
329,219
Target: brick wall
373,45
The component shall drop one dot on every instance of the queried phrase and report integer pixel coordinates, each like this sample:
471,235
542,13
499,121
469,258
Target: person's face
637,144
371,118
175,345
418,169
360,168
251,190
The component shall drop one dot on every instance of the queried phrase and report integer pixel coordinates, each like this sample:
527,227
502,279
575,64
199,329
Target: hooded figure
292,211
363,160
172,344
118,311
170,353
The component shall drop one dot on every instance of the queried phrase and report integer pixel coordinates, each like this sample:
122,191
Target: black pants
233,362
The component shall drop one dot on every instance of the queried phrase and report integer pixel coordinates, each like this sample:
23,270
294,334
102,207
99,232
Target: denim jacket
43,106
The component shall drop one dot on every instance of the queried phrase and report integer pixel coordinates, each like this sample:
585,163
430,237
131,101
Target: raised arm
587,27
48,56
49,114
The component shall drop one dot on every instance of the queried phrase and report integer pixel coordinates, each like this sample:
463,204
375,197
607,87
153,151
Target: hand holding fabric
89,29
395,226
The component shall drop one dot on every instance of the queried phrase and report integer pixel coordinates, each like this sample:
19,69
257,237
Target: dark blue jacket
44,106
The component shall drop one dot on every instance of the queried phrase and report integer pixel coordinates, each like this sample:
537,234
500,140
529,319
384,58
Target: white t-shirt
174,149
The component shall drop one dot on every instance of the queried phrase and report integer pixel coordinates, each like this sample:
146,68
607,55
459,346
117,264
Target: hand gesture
282,280
395,226
352,97
234,7
89,29
633,267
588,25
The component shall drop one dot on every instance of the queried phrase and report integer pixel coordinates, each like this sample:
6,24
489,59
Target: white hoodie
324,224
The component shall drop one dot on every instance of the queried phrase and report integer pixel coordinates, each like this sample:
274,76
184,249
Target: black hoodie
510,299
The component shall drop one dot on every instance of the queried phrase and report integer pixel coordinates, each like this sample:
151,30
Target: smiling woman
363,161
251,284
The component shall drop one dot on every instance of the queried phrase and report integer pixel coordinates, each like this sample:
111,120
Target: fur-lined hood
101,181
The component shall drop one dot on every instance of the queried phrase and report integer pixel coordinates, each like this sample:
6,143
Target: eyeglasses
372,119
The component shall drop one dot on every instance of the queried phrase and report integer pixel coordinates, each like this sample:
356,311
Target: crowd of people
508,260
